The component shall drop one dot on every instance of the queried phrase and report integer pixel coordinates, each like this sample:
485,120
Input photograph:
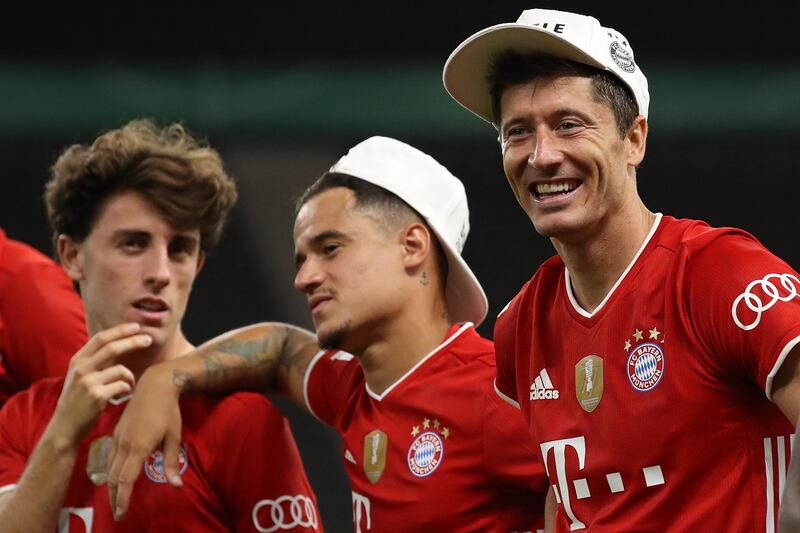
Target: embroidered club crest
425,454
375,444
646,366
154,465
589,382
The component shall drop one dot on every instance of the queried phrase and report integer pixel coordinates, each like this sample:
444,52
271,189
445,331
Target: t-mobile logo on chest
652,476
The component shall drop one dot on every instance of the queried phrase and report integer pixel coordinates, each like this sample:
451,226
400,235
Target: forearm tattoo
248,355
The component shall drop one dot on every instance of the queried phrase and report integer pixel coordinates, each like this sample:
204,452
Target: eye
182,248
569,126
330,248
132,244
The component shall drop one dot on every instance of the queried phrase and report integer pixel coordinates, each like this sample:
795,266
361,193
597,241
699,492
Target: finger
114,373
119,347
172,467
128,473
102,338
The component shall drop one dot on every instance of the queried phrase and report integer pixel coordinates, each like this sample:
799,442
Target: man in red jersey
41,317
404,377
135,214
654,359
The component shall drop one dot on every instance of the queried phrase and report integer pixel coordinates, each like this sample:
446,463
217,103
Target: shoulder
469,348
694,237
37,402
544,282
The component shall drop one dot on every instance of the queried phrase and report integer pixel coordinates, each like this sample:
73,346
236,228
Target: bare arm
786,386
91,381
550,507
262,357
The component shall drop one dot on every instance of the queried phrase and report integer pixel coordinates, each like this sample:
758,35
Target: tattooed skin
423,279
250,361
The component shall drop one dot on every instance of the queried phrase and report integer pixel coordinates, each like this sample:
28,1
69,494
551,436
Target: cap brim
466,301
465,72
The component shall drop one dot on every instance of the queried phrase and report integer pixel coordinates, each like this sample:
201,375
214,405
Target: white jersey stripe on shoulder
777,366
436,350
8,488
769,526
305,382
504,397
782,462
580,310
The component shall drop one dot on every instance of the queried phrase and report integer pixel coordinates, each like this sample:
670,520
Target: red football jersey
652,413
41,318
240,466
437,450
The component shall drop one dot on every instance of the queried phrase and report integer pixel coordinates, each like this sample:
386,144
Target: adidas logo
542,388
349,457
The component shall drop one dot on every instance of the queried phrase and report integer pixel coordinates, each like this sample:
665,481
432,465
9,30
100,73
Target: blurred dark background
284,90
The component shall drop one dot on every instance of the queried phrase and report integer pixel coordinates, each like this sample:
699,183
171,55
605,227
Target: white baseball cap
438,196
577,37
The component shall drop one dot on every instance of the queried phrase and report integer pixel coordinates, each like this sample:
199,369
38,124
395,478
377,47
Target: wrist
168,376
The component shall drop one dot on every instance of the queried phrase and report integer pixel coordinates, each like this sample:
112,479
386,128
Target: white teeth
552,188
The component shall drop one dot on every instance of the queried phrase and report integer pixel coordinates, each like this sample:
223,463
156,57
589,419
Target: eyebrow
558,114
318,239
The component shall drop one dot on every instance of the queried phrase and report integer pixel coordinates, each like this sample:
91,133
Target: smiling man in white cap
667,340
427,444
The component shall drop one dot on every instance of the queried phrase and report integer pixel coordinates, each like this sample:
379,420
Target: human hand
152,417
93,379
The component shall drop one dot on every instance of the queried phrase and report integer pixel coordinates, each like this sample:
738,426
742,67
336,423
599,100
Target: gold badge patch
589,382
375,454
98,457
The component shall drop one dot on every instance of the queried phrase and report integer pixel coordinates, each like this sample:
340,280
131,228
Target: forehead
332,210
549,93
130,210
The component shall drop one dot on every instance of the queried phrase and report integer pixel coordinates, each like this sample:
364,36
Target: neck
595,264
399,345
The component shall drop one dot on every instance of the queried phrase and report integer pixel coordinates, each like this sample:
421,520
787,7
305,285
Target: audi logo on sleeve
284,513
760,295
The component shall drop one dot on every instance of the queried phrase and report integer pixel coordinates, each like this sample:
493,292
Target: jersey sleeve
743,303
16,439
43,324
504,345
331,378
264,487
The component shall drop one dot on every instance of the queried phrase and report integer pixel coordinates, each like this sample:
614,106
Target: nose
157,273
309,276
546,151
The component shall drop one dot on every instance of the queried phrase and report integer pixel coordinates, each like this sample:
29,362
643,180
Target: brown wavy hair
180,176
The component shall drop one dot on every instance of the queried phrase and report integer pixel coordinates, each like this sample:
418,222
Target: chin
332,338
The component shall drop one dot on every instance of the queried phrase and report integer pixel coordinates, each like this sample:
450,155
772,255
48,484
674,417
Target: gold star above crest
436,423
638,335
426,423
654,333
627,345
415,431
445,432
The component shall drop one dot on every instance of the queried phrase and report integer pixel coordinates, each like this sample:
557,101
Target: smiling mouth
552,189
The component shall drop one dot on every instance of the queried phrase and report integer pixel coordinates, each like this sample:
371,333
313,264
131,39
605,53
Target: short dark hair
510,68
368,195
181,177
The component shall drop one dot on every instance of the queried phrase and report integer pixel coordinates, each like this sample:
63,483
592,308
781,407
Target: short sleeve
743,303
43,324
16,441
267,473
331,379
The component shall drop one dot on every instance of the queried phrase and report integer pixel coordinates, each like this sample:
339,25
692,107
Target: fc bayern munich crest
154,465
646,366
425,454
